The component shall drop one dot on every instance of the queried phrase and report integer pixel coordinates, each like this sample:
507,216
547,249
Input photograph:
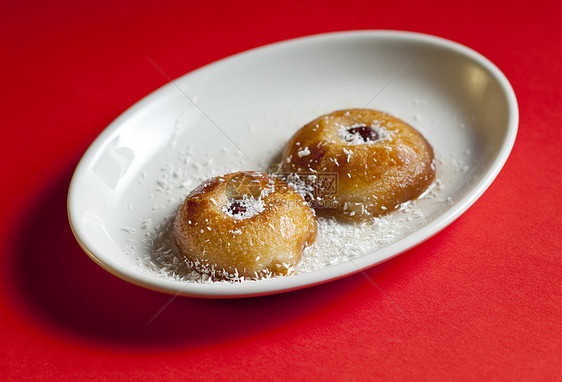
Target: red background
479,301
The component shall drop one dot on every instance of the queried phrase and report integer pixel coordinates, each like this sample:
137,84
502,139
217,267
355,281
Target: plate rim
330,273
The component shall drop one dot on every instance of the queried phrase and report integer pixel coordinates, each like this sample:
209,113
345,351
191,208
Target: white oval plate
237,113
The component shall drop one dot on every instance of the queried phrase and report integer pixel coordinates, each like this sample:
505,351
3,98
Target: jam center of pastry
366,133
244,208
236,208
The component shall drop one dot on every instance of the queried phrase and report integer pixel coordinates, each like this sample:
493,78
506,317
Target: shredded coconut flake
303,152
128,229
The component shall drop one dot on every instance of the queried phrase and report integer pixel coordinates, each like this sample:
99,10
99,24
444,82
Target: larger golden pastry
364,162
244,224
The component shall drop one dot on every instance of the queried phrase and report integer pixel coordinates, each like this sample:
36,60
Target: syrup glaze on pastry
377,161
246,224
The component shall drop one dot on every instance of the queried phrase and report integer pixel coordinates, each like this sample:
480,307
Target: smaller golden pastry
244,224
363,163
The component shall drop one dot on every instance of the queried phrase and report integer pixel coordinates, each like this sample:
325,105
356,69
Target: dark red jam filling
367,133
236,208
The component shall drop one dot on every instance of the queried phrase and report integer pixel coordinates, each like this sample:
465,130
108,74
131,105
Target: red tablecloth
479,301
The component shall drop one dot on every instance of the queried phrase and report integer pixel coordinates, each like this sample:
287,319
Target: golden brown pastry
246,224
363,162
